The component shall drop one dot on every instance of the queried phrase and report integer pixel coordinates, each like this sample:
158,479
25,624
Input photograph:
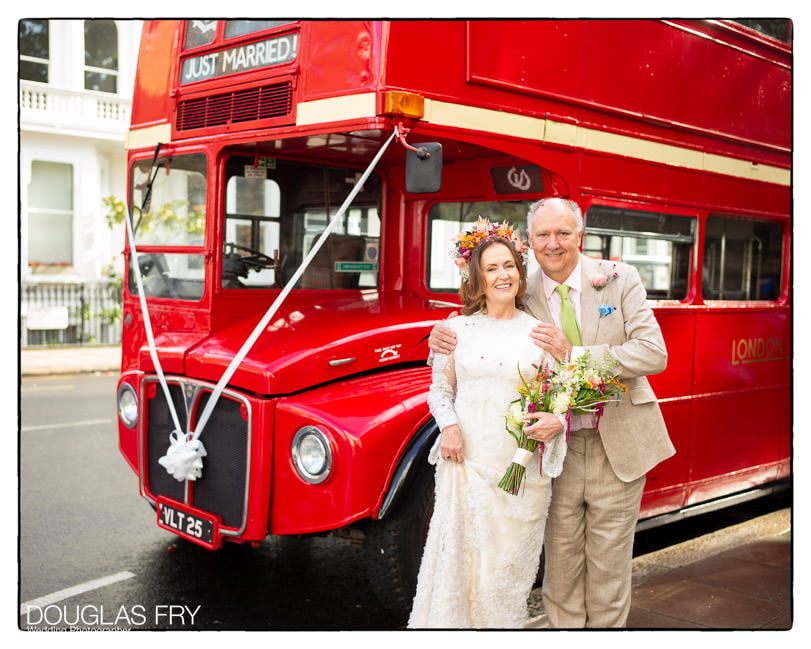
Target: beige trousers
589,539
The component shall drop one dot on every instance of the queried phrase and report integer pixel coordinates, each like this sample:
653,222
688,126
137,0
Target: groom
602,308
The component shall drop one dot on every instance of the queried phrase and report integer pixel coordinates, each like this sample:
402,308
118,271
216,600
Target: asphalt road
82,520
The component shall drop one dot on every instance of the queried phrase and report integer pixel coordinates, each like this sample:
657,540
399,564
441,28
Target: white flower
560,404
515,416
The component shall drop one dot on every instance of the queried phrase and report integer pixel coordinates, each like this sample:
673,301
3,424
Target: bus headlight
312,454
127,405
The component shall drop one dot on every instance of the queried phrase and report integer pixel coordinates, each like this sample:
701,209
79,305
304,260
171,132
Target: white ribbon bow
184,457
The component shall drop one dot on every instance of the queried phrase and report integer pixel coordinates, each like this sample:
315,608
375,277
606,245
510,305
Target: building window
50,216
101,55
34,50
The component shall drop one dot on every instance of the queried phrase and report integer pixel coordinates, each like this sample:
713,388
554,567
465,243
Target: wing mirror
424,168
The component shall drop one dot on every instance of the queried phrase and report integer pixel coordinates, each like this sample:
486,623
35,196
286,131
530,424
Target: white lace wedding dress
484,545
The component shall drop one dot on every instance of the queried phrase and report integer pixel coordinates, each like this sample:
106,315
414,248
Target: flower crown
483,230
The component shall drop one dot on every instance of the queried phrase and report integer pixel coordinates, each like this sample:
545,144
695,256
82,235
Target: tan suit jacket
633,433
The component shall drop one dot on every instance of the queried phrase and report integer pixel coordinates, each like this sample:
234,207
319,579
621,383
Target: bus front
238,161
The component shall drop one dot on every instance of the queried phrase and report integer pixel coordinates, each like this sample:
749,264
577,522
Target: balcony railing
95,113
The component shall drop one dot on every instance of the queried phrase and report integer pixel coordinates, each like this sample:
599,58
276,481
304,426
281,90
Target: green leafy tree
168,216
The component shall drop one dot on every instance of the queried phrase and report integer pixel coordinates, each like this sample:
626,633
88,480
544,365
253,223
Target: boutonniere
601,280
606,309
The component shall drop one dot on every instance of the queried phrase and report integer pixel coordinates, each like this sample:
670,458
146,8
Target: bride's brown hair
471,290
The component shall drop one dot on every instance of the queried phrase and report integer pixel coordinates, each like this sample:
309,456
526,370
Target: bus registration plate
193,526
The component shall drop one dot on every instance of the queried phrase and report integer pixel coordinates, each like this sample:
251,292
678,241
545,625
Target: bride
483,547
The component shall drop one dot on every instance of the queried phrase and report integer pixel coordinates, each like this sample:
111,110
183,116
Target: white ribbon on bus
184,457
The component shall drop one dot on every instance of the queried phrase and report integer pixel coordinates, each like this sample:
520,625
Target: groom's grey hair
571,205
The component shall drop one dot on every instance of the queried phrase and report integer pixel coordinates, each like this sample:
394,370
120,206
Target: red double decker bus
298,360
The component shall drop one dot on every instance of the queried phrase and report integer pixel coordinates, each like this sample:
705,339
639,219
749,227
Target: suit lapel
589,302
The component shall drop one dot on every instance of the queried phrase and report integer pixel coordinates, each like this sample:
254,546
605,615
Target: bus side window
446,220
742,259
658,245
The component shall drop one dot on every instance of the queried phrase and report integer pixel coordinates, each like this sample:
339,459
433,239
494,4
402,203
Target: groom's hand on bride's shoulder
442,340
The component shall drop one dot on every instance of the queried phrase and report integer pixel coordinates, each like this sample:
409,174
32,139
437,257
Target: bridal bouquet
574,387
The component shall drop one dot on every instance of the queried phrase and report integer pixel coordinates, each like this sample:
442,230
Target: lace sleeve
443,391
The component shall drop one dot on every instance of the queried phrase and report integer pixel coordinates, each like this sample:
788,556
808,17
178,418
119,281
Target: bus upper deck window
658,245
241,27
200,32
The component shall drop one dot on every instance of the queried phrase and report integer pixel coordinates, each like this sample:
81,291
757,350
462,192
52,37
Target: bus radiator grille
238,106
222,489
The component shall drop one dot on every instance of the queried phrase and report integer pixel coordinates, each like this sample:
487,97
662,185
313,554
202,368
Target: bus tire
394,546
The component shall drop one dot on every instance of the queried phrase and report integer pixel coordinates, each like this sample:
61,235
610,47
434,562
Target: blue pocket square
605,310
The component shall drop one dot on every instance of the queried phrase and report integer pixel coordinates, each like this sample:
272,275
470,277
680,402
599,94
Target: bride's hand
451,444
544,428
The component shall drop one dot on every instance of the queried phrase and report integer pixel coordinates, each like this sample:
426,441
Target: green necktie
568,320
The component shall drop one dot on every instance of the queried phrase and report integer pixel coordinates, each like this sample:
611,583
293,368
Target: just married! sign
271,51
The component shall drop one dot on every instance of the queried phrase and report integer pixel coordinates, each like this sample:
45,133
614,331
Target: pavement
740,577
69,359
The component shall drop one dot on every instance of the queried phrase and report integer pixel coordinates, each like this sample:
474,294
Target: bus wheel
394,546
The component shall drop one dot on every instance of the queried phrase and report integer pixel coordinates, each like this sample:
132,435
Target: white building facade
75,93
